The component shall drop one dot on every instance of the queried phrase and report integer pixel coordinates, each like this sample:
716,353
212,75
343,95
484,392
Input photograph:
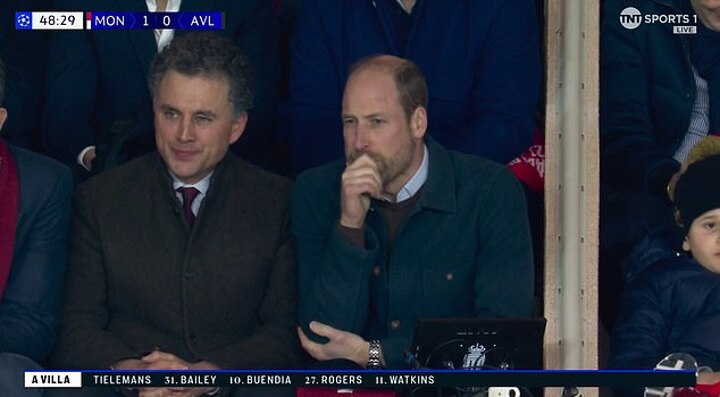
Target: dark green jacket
464,251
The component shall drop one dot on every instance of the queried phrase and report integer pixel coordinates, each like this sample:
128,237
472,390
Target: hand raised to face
361,180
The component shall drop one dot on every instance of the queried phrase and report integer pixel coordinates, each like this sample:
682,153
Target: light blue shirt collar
416,182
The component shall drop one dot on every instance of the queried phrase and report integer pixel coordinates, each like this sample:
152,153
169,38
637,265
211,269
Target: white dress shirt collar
163,36
407,9
202,186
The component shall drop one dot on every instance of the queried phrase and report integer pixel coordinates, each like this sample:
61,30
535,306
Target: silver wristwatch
374,355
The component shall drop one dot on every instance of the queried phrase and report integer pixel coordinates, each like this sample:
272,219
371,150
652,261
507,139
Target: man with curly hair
183,259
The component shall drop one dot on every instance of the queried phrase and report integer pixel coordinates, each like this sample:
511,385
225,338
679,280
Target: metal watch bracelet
374,355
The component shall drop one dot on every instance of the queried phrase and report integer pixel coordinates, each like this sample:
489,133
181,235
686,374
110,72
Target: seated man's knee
10,361
12,375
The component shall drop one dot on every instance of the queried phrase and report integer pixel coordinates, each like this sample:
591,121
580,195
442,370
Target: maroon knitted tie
188,194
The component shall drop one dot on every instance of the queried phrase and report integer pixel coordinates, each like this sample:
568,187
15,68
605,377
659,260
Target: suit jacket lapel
167,208
382,8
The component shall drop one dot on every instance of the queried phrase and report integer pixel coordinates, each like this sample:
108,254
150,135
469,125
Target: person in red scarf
35,193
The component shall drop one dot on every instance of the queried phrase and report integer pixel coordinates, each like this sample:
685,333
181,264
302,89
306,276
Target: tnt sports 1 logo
631,18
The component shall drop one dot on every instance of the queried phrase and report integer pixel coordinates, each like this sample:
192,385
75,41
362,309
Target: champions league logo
23,21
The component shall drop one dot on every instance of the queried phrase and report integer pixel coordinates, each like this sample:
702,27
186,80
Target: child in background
673,304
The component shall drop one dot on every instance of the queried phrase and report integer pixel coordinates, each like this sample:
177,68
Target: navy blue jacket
646,97
480,59
671,306
23,53
463,251
30,305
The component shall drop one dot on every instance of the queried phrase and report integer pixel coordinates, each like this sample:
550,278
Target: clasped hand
159,360
340,344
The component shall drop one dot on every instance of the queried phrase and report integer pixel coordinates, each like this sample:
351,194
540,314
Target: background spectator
98,78
480,59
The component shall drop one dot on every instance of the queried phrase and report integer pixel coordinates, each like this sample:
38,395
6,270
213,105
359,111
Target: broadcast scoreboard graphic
383,379
118,20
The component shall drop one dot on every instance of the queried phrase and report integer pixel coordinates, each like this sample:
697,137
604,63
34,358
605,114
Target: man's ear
686,244
238,127
418,122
